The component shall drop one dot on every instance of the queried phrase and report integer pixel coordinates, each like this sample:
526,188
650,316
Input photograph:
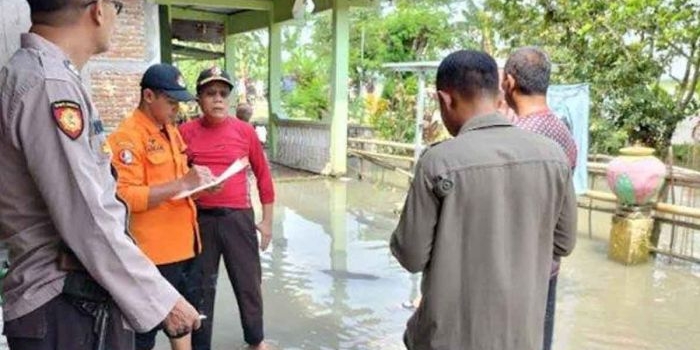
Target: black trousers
549,314
179,276
231,234
61,325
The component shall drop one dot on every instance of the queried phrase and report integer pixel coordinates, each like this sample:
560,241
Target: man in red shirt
525,83
226,219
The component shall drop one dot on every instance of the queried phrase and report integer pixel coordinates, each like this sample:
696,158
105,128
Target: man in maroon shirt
226,219
525,83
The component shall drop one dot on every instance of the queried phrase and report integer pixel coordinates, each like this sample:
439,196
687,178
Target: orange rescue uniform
146,156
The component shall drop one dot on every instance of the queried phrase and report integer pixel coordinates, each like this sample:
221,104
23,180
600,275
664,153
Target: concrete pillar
339,87
274,81
629,237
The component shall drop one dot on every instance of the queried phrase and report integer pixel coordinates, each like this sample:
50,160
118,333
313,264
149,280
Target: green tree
250,55
624,49
307,67
398,31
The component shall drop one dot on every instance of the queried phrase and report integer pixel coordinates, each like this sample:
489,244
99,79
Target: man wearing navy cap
149,156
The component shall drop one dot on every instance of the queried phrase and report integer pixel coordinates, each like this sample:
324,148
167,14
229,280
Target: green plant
624,49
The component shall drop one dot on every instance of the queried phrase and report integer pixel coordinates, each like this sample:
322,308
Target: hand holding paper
197,176
208,181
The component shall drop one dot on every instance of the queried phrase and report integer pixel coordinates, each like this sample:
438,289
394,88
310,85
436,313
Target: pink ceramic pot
636,176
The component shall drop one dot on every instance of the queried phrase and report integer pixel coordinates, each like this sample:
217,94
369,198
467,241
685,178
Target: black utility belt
82,286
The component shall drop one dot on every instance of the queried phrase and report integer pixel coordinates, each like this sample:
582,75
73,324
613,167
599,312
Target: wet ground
330,282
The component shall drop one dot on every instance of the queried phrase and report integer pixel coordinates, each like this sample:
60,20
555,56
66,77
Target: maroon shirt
217,147
547,124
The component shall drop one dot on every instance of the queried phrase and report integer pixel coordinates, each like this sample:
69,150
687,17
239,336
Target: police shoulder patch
69,118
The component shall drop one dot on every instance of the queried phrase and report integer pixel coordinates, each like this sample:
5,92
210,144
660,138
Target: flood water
330,282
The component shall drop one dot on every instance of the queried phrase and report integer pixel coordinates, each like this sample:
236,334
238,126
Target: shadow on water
330,282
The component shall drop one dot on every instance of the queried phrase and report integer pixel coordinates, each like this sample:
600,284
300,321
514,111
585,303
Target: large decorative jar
636,176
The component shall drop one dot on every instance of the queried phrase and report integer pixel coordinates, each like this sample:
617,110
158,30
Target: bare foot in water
261,346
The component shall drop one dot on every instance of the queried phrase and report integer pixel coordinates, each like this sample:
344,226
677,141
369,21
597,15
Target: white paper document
237,166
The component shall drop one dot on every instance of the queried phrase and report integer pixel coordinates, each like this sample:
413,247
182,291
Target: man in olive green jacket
486,212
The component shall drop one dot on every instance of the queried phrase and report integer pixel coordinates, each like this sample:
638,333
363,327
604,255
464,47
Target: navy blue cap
213,74
168,79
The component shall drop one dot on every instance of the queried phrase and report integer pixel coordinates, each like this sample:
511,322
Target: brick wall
129,38
115,94
113,78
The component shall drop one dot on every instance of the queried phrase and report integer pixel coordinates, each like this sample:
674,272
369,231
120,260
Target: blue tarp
572,103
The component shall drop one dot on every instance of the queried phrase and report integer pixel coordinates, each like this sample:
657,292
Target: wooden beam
401,145
664,208
196,53
248,21
166,34
245,21
259,5
380,155
197,31
197,15
254,20
283,8
678,210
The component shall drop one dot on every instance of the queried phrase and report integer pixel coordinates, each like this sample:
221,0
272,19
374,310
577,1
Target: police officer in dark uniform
75,276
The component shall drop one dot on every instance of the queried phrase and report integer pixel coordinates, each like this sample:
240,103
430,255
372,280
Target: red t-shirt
217,147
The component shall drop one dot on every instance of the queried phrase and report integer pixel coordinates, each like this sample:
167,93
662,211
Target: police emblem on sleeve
69,118
126,156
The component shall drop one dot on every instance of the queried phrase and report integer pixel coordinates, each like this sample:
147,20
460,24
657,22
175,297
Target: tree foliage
625,49
397,31
641,57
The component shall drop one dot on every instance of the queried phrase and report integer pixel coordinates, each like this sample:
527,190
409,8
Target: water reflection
603,305
331,264
330,282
